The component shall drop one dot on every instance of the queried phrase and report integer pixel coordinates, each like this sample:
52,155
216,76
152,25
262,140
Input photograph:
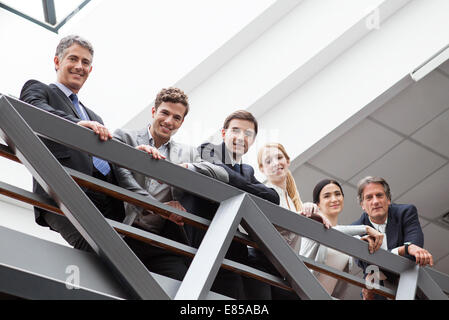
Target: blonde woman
274,163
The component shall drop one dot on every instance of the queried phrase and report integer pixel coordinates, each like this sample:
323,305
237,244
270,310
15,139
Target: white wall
140,47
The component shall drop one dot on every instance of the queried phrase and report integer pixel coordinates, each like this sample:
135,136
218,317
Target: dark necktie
236,168
101,165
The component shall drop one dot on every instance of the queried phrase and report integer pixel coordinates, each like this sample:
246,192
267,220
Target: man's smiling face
73,69
168,117
238,137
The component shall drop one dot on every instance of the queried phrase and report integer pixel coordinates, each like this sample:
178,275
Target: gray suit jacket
178,153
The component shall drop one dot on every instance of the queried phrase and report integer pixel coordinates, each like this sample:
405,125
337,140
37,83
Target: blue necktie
101,165
236,168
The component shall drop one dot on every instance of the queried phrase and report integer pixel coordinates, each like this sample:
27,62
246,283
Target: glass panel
65,7
33,8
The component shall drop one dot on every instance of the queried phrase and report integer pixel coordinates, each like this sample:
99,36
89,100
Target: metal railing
20,125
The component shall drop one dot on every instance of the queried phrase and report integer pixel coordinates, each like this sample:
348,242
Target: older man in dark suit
73,64
398,222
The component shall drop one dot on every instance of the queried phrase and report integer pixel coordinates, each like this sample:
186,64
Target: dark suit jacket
51,99
402,226
244,180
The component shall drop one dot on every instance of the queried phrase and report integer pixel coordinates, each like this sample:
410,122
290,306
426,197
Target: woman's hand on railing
320,218
309,208
151,151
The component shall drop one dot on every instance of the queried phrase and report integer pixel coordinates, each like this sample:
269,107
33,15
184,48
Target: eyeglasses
247,133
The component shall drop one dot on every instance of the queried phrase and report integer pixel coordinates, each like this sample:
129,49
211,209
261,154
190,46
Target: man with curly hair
168,113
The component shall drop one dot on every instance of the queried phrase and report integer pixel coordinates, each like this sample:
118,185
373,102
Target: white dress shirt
382,229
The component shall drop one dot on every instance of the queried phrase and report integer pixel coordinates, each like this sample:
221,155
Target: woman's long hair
292,190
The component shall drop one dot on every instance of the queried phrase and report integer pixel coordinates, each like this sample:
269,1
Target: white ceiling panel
423,222
431,195
351,152
436,239
306,178
416,105
435,134
403,167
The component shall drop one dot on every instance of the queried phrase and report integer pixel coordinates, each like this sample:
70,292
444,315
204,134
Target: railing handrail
63,131
145,236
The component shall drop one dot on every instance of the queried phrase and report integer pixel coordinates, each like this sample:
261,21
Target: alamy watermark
372,277
73,279
372,21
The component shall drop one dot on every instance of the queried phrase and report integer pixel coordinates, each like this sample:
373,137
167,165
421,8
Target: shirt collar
64,89
151,140
379,227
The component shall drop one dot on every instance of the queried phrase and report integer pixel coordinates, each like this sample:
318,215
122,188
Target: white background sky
140,47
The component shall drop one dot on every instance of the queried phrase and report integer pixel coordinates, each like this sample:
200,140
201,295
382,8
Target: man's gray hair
367,180
68,41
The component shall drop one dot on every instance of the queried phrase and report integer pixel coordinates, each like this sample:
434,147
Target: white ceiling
406,142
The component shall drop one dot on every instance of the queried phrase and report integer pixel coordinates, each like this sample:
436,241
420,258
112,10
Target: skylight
50,14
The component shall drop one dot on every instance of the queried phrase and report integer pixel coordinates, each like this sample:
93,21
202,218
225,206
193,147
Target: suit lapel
245,170
91,115
366,220
65,99
225,157
174,152
143,137
391,230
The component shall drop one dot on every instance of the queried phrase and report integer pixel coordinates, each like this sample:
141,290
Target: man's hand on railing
174,217
374,239
98,128
370,241
151,151
422,256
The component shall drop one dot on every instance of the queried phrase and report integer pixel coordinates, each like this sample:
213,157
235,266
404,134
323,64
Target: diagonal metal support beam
407,284
440,278
49,11
204,267
429,287
282,256
130,271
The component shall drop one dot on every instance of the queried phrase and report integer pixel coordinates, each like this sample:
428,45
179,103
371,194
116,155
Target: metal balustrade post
211,252
44,167
408,282
441,278
281,255
429,287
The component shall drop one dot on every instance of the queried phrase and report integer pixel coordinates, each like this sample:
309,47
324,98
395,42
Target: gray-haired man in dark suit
73,64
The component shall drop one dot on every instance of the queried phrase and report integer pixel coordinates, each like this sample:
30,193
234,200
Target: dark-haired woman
328,196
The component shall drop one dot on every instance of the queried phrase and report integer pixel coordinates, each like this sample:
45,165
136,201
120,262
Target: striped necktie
101,165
